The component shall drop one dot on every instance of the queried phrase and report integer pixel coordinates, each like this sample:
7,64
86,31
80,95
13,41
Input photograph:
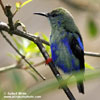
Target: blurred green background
87,17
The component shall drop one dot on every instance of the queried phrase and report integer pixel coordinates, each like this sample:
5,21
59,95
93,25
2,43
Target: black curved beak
42,14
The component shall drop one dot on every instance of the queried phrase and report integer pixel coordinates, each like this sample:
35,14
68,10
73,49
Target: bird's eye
54,15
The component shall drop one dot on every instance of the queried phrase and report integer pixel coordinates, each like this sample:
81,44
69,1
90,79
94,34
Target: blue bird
66,44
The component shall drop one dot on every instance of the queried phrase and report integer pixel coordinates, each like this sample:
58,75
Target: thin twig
92,54
40,63
16,66
3,69
10,19
15,12
1,3
23,57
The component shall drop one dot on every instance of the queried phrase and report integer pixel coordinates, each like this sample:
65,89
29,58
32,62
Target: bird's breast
61,53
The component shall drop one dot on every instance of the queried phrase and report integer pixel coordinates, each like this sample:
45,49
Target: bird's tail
80,87
80,79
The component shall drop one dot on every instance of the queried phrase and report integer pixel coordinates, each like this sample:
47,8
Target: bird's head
61,18
58,17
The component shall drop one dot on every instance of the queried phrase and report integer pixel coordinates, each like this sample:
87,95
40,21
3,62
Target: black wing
77,51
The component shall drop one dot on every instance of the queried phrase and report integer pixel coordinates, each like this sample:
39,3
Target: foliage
47,47
17,81
28,48
92,27
89,66
53,84
20,5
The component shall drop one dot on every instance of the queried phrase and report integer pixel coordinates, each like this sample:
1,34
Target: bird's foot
48,60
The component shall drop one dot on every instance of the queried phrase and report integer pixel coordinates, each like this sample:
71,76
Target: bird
66,44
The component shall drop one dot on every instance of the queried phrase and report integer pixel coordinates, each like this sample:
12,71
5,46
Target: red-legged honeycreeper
66,44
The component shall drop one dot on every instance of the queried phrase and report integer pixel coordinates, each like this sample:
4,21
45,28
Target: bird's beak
42,14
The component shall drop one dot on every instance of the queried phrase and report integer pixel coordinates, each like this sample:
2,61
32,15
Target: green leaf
19,45
2,93
32,49
92,27
32,74
45,37
89,66
11,55
18,5
25,43
36,34
26,2
17,80
52,84
14,56
46,46
48,49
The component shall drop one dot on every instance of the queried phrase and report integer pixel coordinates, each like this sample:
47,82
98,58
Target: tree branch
17,66
92,54
3,69
1,3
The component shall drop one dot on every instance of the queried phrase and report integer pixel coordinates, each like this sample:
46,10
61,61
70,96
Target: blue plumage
61,48
53,50
66,44
80,43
